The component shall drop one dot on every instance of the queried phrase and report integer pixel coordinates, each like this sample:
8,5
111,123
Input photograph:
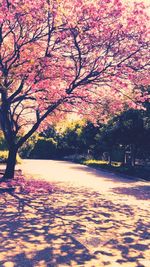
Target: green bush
3,145
45,148
28,146
4,156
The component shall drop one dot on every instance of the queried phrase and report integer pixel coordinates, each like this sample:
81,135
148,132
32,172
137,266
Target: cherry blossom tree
58,56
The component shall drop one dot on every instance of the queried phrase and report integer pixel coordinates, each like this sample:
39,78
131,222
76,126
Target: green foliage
128,131
89,136
39,147
45,148
3,144
28,146
4,156
93,162
50,132
69,139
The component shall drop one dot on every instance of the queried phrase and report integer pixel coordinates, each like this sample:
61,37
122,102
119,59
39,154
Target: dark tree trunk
133,152
124,156
11,162
110,158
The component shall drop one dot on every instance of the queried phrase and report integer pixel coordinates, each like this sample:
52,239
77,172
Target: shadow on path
140,192
108,175
71,227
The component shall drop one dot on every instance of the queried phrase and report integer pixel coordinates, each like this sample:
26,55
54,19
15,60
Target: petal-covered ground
72,226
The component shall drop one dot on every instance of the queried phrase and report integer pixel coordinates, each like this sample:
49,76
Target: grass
102,163
137,171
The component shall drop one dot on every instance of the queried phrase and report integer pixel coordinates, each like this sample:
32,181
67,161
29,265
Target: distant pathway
113,186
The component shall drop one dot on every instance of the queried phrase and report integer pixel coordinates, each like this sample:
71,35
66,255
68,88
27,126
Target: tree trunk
110,158
133,155
11,162
124,156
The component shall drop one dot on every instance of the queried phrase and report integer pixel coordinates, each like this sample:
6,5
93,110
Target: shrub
45,148
28,146
3,145
4,156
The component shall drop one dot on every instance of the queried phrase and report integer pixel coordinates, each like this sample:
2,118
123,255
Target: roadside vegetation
4,150
4,156
142,172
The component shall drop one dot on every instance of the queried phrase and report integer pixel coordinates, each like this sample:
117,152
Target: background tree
3,144
127,132
69,139
88,137
56,54
44,148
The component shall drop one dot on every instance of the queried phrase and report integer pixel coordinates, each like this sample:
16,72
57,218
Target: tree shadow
70,227
139,192
107,175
